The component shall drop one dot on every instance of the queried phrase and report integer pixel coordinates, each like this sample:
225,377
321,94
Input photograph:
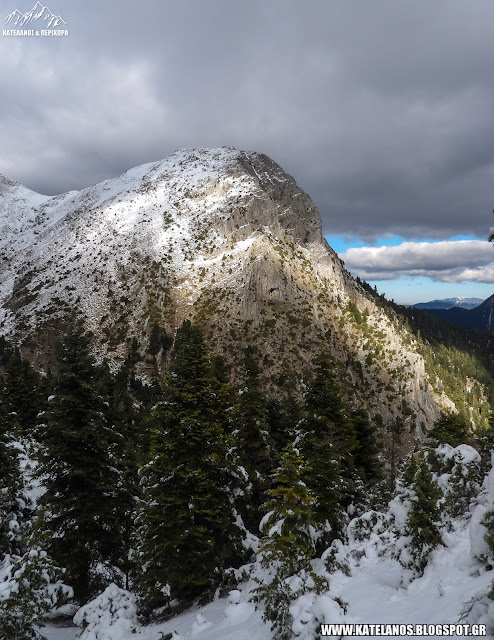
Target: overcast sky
382,110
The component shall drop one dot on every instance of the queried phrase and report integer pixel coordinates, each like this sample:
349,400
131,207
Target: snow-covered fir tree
424,518
32,586
79,472
15,506
327,440
187,528
288,545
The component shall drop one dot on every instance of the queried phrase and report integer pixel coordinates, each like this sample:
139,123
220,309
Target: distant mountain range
479,317
448,303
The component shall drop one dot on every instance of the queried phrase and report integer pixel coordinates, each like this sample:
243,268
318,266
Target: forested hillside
180,490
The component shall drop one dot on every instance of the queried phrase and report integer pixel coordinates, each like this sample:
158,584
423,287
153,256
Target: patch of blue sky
408,290
340,243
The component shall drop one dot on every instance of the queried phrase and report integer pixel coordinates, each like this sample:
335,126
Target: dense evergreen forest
167,489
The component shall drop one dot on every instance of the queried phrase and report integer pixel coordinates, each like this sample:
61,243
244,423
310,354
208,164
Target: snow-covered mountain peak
19,207
449,303
192,203
221,236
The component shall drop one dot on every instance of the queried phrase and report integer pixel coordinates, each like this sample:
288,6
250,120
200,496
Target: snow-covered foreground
451,579
372,582
59,633
218,620
373,593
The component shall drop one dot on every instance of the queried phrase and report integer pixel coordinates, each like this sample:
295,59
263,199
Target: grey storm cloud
381,110
446,261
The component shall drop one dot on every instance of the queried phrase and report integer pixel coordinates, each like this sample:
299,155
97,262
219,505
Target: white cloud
448,261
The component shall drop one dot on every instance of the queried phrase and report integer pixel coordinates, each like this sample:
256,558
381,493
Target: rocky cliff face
224,237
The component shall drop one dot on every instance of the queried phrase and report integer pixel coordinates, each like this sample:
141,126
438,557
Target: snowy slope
18,213
373,593
165,212
376,587
93,250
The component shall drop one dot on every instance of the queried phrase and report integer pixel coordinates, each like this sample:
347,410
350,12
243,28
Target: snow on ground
219,620
159,211
376,589
373,592
61,633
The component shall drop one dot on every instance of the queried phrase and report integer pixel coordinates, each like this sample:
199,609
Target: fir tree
424,518
288,545
253,439
282,418
79,473
323,400
396,429
488,522
464,485
486,444
327,440
366,453
31,587
450,428
289,521
25,392
124,445
15,507
187,529
409,471
158,340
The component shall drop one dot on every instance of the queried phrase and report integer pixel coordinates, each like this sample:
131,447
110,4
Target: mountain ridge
448,303
480,317
225,238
